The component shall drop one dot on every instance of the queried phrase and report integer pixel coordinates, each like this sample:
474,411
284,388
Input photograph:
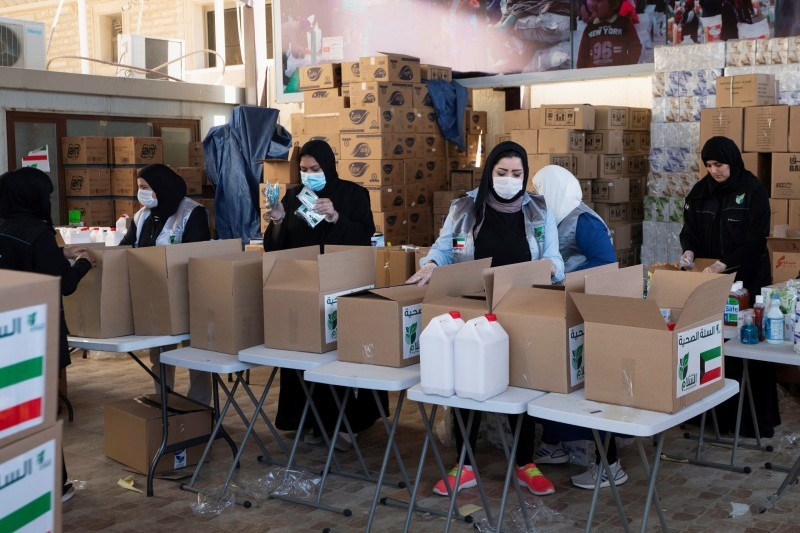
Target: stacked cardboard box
87,179
378,118
30,436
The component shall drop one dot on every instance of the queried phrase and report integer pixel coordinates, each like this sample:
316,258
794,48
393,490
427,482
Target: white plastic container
436,367
774,320
481,359
114,237
122,224
93,233
80,235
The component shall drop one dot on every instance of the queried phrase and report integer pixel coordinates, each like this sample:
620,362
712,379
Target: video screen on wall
482,38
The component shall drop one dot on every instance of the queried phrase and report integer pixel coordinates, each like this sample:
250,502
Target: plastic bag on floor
211,503
282,482
541,517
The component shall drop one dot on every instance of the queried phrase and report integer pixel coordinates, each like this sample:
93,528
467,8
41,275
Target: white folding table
285,360
353,376
514,401
575,409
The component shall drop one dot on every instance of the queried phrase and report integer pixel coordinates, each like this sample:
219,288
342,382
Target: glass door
29,136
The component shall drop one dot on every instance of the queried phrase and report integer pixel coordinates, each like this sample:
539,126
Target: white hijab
561,190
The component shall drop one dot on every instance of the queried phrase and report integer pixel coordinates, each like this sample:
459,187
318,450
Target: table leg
164,429
652,494
511,456
602,446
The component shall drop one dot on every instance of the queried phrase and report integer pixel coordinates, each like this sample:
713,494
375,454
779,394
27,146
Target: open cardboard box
301,289
633,359
226,308
699,264
546,329
101,306
381,326
784,253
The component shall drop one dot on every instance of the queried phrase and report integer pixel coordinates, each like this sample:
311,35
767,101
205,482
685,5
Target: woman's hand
324,207
276,212
686,261
423,275
72,252
715,268
89,256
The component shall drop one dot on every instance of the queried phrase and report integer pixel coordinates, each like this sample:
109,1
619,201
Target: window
233,23
110,28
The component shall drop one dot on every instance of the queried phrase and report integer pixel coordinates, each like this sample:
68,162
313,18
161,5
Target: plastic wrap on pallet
659,84
696,56
789,98
659,111
787,76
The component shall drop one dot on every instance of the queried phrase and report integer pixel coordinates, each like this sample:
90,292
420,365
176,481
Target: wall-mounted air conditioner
149,52
22,44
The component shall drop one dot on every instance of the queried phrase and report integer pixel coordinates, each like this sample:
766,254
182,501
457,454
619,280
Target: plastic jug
436,371
82,235
122,224
113,237
481,359
93,233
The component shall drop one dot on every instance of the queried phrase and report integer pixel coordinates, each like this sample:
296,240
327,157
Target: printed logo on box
332,313
412,324
23,341
699,358
576,371
27,490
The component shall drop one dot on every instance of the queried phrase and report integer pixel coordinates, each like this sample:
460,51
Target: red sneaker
530,476
466,481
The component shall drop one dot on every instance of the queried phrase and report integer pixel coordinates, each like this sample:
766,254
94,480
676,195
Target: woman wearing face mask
500,220
348,220
169,217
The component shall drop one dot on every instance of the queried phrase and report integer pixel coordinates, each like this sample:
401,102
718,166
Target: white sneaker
343,441
588,478
67,493
551,454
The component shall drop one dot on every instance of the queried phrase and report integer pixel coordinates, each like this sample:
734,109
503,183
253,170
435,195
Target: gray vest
567,244
463,243
172,233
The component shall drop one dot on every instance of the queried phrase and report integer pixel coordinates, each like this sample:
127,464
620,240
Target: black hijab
724,150
26,192
504,149
168,185
322,152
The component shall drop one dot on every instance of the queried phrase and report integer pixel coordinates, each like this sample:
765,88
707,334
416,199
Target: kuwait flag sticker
710,365
23,343
699,357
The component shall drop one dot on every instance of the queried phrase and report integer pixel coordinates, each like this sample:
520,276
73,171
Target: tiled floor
695,498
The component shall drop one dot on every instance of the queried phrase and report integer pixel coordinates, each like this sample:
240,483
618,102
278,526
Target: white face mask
145,197
506,187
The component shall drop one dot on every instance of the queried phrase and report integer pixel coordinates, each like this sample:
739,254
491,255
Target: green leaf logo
740,199
332,320
538,233
32,319
577,358
411,334
683,367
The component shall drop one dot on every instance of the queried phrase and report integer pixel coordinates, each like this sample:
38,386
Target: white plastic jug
436,371
481,359
122,224
81,235
93,233
113,237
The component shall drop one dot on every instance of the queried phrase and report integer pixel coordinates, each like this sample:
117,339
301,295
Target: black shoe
67,493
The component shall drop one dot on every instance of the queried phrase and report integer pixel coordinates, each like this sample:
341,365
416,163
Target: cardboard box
516,120
613,212
793,214
226,312
722,121
637,165
641,141
124,181
320,101
586,166
612,165
794,129
370,120
640,118
419,195
138,150
195,149
421,98
382,326
635,360
101,306
386,198
371,146
476,122
373,172
332,138
193,176
462,180
586,190
390,67
785,176
766,128
322,123
133,432
283,170
94,211
32,484
87,182
393,265
443,199
608,117
351,71
29,352
779,213
297,123
433,145
611,190
610,142
759,164
577,117
559,141
747,90
159,281
84,150
381,94
528,139
637,189
784,255
301,288
393,224
435,72
538,161
325,76
625,235
129,206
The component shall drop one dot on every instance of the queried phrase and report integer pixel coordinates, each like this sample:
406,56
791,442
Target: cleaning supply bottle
774,319
481,359
749,332
436,370
758,316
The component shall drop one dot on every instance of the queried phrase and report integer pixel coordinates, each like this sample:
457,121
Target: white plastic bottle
81,236
122,224
113,237
436,367
774,320
481,359
93,233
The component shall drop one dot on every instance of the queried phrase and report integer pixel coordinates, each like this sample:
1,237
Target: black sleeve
197,228
355,225
48,258
690,240
758,220
130,237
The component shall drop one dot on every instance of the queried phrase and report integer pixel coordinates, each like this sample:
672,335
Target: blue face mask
313,180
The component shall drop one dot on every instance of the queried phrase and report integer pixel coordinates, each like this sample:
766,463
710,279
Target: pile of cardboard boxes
30,436
100,174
